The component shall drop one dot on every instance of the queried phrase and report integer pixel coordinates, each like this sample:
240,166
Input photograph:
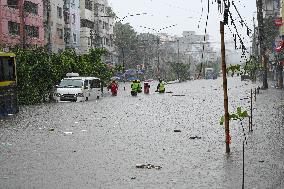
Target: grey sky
185,13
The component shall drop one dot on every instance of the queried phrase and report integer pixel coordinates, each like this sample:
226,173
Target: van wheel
98,97
87,98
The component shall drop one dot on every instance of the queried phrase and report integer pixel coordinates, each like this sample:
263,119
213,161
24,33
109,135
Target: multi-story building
271,8
71,14
87,25
54,25
62,24
21,23
97,22
104,23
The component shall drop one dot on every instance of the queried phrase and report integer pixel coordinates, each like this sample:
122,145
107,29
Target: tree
181,71
271,31
38,71
127,42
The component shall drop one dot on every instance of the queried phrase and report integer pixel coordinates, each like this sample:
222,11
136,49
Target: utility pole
261,43
224,72
48,25
254,50
178,51
158,57
22,24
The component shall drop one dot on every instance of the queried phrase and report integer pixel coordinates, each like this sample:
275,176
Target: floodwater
97,144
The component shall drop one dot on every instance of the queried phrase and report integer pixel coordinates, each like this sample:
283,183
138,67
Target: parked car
78,89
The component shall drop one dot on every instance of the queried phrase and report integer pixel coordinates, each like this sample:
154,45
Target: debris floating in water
148,166
195,137
68,133
177,131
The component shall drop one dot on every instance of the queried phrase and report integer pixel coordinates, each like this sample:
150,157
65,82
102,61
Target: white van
78,89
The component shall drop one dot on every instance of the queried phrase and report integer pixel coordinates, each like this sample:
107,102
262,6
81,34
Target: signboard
278,21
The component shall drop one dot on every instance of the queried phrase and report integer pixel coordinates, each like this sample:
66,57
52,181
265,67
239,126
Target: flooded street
97,144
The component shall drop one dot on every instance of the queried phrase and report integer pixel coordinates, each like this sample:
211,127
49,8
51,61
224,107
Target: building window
67,35
32,31
66,17
73,18
13,3
14,28
60,33
89,41
31,7
88,4
107,42
74,38
87,23
59,12
102,9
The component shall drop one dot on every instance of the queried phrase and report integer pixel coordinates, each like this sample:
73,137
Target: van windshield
70,83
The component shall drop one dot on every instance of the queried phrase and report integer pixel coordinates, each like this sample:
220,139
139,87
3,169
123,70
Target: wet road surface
97,144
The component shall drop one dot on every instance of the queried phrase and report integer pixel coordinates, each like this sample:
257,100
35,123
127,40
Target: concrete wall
13,14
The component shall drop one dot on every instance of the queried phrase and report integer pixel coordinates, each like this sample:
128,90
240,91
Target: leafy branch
233,68
238,115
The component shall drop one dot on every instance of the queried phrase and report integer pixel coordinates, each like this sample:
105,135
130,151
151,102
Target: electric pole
22,24
158,57
48,25
224,72
254,50
261,43
178,51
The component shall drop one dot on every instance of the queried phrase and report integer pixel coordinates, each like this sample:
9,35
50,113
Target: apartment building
271,8
71,14
97,22
87,25
54,25
21,23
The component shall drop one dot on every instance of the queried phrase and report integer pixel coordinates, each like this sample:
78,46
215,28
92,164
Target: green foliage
110,12
233,68
181,71
38,71
239,115
271,31
251,66
126,39
119,69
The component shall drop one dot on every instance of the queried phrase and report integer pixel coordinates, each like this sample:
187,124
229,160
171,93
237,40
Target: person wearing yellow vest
139,88
134,88
161,87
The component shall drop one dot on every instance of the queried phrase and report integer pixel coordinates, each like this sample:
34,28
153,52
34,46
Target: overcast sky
185,14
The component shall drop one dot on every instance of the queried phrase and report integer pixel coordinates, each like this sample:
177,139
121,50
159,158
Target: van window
95,83
70,83
86,83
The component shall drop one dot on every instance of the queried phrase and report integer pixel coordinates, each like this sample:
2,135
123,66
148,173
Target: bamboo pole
224,72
